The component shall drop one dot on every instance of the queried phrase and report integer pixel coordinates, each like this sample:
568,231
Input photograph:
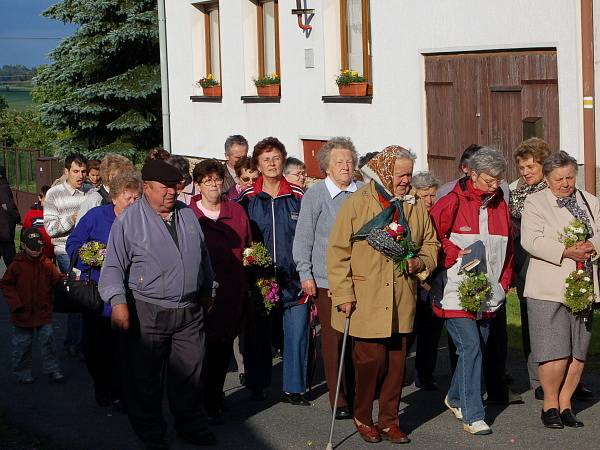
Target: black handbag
77,296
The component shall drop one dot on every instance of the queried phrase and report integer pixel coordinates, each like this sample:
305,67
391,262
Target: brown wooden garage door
492,98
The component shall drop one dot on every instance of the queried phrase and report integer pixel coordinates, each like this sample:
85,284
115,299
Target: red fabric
285,188
458,314
226,240
27,287
35,218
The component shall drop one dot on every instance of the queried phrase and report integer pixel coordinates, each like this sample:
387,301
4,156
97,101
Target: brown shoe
369,433
394,435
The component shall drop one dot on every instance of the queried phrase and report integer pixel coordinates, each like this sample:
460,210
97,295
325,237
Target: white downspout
164,75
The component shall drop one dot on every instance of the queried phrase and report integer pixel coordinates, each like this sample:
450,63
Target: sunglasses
246,179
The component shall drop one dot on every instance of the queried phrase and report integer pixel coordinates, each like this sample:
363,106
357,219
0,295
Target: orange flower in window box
210,86
351,84
268,86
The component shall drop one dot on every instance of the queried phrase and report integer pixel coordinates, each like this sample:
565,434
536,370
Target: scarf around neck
516,201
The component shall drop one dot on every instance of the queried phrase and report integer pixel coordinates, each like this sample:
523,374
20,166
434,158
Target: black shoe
294,399
427,385
199,438
582,393
512,398
242,379
102,398
258,394
343,413
569,419
215,418
551,418
156,445
539,393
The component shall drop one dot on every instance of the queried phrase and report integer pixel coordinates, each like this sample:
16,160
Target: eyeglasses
246,179
492,181
215,181
297,174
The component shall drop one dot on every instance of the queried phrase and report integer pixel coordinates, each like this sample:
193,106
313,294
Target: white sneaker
478,427
453,409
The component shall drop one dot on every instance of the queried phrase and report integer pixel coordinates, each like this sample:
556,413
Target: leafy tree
25,129
3,104
102,92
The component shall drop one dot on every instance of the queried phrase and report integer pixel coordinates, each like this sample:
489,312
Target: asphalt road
67,417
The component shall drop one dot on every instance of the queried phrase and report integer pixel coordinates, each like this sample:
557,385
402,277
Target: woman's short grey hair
291,163
125,181
424,180
324,154
488,160
557,160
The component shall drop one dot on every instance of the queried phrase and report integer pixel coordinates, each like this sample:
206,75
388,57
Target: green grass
17,97
513,319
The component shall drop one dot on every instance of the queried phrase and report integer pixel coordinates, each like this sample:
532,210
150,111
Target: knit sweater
62,202
317,215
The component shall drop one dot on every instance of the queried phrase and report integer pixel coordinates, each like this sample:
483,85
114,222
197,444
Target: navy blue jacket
93,226
273,222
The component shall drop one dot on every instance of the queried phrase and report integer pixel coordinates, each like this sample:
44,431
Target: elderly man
157,275
337,158
236,148
376,290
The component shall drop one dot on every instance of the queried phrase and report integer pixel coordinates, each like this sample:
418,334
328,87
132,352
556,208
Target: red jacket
27,287
458,218
35,218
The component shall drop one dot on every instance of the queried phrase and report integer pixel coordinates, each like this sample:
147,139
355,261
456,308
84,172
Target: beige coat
541,223
385,299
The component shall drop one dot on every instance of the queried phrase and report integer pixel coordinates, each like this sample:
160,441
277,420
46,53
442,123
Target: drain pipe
587,66
164,75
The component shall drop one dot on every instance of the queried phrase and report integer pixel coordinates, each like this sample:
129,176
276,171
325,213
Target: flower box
353,89
212,91
268,90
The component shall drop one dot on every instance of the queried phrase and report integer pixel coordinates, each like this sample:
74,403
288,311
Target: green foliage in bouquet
473,290
579,292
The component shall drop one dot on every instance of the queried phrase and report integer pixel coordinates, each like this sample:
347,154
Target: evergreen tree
102,91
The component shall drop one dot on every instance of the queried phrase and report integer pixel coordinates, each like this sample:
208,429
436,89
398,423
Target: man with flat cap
157,276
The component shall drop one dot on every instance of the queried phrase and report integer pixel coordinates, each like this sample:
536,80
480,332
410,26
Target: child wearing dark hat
27,287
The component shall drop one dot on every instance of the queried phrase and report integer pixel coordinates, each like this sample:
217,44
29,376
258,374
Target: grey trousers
22,345
164,346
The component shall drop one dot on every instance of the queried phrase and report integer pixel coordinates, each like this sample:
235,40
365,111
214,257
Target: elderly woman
337,159
227,233
246,174
529,157
379,296
273,206
559,338
100,344
295,171
428,327
468,216
110,166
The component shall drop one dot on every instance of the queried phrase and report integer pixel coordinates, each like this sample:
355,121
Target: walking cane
339,380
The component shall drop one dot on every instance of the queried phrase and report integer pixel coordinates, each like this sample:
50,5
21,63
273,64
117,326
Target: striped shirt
62,202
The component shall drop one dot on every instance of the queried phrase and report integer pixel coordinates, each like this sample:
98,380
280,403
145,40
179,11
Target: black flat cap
161,171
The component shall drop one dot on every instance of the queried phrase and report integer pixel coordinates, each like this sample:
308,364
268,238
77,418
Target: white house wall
402,31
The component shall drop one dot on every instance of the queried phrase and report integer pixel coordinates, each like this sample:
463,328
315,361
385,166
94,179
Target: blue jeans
465,391
22,350
74,324
295,348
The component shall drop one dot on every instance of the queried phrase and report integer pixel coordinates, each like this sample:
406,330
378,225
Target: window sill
344,99
205,99
259,99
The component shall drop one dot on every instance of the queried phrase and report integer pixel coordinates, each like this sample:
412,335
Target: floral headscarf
381,167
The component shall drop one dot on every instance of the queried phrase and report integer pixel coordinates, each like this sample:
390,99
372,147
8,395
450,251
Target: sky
22,19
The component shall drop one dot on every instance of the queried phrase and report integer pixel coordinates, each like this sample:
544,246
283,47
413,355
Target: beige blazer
541,223
385,300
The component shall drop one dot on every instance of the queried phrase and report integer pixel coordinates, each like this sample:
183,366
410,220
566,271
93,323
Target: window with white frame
267,16
355,36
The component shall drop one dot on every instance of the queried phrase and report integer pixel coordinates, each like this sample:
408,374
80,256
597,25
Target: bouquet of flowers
92,253
392,241
579,292
473,290
263,285
579,288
